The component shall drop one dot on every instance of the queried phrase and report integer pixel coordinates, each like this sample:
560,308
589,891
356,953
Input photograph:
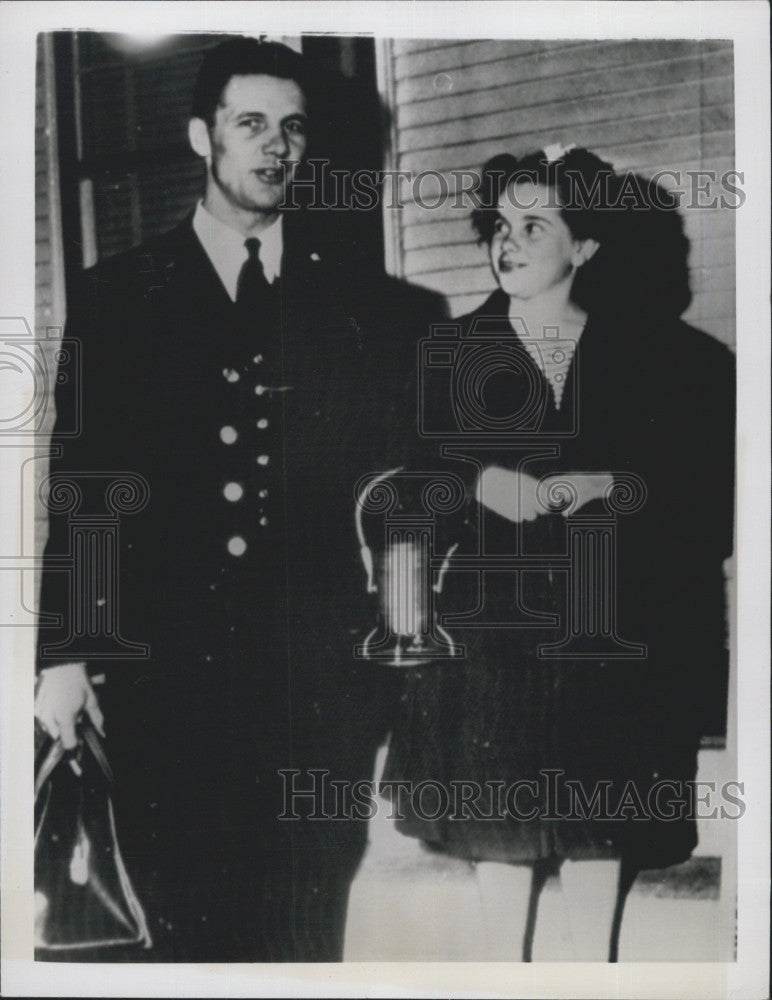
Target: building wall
49,277
49,267
643,105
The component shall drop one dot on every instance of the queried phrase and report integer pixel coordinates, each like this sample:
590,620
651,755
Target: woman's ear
198,134
583,250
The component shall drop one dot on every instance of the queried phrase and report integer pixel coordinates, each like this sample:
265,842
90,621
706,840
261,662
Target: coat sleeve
688,530
88,455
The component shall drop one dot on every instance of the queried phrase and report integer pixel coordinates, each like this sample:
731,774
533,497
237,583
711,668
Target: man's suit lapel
300,286
181,266
189,305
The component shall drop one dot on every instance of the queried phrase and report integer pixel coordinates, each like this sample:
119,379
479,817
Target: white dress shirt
226,249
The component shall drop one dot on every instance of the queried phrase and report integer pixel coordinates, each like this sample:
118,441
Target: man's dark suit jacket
250,665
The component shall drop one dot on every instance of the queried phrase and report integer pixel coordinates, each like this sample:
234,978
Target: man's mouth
271,175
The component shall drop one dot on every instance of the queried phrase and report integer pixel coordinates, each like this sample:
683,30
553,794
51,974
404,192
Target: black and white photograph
385,398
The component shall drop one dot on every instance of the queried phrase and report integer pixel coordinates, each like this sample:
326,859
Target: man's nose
277,144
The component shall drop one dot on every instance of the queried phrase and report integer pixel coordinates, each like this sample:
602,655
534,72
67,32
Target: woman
577,710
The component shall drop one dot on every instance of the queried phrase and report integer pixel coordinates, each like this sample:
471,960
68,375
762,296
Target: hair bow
557,152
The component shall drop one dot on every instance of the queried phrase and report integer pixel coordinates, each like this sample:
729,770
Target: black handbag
83,895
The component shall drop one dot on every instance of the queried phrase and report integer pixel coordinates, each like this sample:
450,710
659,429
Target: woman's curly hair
642,263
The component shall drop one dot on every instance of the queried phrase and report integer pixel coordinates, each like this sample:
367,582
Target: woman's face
532,248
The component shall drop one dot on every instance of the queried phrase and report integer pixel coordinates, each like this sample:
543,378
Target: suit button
231,375
263,459
237,546
259,390
228,434
262,494
233,491
263,522
262,423
258,359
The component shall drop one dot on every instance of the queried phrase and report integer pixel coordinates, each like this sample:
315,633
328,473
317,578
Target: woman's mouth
506,264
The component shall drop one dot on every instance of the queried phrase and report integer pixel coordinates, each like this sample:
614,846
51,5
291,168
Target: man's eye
499,226
296,128
252,124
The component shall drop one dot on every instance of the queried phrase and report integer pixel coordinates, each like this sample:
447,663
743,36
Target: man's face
259,122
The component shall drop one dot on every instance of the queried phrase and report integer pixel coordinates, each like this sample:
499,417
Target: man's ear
198,134
583,250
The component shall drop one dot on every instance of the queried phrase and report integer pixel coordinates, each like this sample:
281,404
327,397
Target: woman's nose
510,241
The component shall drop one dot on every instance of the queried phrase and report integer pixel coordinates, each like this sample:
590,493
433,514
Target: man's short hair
243,57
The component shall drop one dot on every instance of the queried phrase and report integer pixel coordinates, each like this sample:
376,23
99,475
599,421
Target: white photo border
746,22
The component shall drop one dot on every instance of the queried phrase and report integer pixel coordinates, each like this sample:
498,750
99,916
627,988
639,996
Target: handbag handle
90,737
94,743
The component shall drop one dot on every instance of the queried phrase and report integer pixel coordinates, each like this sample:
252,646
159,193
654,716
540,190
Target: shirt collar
226,250
545,336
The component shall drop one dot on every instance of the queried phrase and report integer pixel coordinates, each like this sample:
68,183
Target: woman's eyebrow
537,218
528,217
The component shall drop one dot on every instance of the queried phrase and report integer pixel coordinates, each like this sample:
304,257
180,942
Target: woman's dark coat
654,398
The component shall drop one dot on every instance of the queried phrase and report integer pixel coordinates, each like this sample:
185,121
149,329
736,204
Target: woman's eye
533,229
499,226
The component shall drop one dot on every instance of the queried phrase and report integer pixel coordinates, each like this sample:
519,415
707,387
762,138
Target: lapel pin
315,257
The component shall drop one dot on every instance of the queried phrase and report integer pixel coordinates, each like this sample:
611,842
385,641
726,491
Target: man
226,371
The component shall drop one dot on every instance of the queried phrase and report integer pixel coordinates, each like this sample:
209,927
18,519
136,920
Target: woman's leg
505,892
595,897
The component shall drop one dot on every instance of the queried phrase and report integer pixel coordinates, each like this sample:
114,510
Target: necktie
253,289
256,331
256,304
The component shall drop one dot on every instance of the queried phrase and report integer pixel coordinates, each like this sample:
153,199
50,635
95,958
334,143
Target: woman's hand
520,497
512,495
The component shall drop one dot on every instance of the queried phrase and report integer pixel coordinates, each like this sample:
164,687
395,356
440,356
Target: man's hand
63,693
520,497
